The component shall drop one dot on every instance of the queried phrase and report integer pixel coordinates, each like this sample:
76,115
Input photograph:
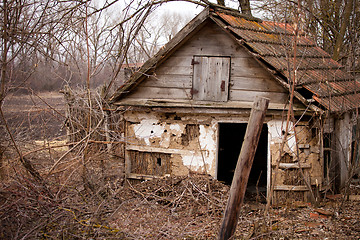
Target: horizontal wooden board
162,150
290,188
216,50
245,62
177,61
294,165
200,104
219,44
247,67
160,93
168,81
249,72
149,163
214,40
243,95
180,70
256,84
144,176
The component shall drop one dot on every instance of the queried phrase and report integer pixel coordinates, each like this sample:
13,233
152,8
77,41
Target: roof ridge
214,8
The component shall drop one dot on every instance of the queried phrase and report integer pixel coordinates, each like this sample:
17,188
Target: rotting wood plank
201,104
150,163
144,176
256,84
183,61
163,150
201,44
256,72
243,167
179,70
218,45
247,95
216,51
161,93
290,188
168,81
294,165
247,62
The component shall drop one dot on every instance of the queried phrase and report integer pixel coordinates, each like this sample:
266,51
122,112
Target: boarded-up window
211,78
149,163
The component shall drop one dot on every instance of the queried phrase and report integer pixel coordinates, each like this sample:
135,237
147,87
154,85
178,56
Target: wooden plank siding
249,96
255,84
169,81
174,78
161,93
150,163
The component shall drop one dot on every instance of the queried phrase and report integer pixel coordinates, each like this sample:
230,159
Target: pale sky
181,7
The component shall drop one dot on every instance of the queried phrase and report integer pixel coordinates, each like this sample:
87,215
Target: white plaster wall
151,128
159,135
276,128
205,159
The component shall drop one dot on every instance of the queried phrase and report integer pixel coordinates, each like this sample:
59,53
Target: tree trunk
245,7
221,2
344,25
4,53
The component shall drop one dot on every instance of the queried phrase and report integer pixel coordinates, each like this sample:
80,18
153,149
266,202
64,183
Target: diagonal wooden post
243,167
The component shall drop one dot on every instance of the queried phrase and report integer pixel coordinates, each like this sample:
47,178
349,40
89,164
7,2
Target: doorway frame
268,158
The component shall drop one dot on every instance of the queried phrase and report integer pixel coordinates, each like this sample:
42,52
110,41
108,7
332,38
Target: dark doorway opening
231,136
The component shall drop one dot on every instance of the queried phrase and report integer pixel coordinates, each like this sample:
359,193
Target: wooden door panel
211,78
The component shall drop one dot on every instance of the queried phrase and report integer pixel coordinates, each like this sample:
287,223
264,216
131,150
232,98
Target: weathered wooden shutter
149,164
211,78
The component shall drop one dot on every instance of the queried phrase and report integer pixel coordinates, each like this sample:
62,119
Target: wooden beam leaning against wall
243,167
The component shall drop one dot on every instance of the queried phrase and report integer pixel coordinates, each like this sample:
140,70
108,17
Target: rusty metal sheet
284,64
327,89
276,50
251,35
279,27
333,88
308,76
241,22
340,103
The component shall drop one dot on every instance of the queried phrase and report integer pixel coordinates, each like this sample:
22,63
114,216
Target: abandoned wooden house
187,108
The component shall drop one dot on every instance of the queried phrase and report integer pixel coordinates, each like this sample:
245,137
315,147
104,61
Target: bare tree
245,7
334,25
221,2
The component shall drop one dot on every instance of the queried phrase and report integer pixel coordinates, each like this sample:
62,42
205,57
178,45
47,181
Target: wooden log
243,167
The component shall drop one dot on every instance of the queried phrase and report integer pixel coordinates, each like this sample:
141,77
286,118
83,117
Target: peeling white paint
207,140
176,128
151,128
276,128
148,128
200,157
193,162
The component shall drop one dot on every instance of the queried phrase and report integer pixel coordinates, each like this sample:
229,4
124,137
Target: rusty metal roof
312,67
